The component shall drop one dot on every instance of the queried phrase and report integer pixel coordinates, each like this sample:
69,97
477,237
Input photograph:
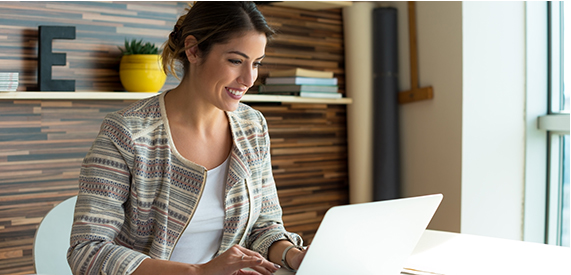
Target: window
546,206
556,123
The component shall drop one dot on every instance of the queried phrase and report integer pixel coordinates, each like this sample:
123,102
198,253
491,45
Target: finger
258,263
254,256
261,270
246,272
244,254
254,259
248,251
266,267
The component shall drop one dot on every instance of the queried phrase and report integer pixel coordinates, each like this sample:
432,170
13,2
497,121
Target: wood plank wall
42,143
308,39
93,57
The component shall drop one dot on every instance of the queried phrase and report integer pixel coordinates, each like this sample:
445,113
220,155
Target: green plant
137,47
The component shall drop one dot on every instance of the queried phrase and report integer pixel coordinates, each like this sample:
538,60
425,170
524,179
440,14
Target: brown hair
211,22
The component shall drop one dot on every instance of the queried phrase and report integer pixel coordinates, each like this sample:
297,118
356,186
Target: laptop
368,238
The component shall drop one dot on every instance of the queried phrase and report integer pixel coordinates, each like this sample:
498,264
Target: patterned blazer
137,194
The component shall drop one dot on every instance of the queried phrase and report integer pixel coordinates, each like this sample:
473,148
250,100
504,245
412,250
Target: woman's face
230,69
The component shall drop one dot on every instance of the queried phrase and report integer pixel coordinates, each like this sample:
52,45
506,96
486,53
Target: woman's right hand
230,262
235,259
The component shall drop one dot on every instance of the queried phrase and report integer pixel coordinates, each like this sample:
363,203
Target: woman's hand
230,262
235,259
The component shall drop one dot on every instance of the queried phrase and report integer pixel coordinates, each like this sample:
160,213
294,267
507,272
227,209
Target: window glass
565,39
565,213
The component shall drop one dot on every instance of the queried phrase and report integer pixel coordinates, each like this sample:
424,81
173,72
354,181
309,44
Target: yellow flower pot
142,73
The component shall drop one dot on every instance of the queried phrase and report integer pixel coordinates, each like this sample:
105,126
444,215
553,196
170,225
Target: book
301,80
305,94
320,95
9,77
276,93
301,72
9,81
8,73
298,88
9,86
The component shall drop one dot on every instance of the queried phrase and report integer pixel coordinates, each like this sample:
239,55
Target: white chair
52,240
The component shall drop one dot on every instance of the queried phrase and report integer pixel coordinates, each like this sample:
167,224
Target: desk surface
445,253
452,253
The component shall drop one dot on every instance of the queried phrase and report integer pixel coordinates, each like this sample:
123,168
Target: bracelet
284,261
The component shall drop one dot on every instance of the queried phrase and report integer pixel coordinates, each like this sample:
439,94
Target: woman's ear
191,48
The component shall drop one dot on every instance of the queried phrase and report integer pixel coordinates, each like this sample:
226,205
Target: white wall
467,142
431,130
493,118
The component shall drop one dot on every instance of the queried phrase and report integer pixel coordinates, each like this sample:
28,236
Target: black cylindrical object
386,155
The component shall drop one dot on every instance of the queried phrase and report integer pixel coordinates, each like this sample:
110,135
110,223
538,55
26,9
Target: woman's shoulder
138,115
247,111
144,108
245,116
250,130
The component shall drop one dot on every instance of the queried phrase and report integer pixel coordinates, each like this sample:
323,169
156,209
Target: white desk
445,253
463,254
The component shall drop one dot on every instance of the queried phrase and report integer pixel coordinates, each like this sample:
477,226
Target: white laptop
368,238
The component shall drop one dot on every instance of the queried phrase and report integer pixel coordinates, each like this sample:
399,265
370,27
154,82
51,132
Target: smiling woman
205,24
225,73
181,183
44,136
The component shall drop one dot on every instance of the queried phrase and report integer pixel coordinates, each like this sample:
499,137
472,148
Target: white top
201,239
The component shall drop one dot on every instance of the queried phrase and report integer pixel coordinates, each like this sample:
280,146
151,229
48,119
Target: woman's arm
293,257
269,229
99,215
157,267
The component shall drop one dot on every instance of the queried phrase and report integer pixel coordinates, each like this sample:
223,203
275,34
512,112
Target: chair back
52,240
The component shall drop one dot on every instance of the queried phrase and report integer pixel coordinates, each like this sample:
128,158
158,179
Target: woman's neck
185,106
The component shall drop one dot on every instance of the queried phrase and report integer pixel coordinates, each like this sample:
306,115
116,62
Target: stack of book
8,82
301,82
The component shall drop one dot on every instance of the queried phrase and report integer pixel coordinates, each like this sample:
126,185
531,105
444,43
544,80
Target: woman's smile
236,93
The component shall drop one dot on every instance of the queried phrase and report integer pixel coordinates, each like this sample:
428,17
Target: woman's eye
257,64
235,61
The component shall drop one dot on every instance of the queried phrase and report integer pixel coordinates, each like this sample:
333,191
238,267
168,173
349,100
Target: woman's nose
248,77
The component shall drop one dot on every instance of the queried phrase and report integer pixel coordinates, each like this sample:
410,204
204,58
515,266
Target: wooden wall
42,143
93,57
309,39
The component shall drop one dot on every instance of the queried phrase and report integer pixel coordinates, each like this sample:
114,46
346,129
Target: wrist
287,257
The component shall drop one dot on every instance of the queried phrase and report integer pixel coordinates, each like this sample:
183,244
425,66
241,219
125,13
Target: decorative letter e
46,58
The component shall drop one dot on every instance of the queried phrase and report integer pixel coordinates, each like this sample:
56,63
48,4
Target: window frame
544,126
556,123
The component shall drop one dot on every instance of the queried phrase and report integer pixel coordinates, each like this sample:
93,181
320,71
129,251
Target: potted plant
140,69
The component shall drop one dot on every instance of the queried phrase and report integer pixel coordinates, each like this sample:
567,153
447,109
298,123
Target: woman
181,183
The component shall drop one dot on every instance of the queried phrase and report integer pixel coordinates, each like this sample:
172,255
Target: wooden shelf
295,99
313,5
138,96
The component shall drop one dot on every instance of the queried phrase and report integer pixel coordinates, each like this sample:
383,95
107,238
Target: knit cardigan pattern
137,194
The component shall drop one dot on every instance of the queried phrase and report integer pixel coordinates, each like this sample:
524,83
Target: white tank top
202,237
